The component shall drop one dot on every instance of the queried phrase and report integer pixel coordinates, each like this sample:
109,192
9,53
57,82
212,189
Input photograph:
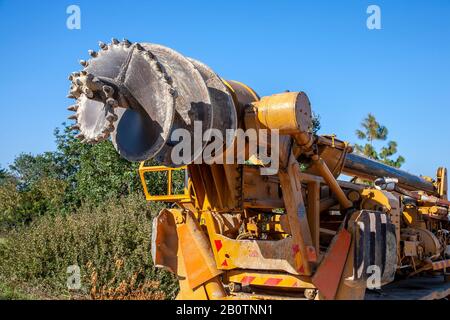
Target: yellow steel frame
169,197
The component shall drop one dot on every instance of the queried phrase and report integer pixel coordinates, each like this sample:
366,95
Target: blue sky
400,73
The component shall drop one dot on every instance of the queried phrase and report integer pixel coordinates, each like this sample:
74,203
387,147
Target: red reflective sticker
218,244
247,280
272,282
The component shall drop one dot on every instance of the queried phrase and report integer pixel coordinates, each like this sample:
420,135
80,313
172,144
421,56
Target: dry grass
126,290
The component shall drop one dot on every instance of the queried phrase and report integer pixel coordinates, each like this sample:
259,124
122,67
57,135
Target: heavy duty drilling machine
233,232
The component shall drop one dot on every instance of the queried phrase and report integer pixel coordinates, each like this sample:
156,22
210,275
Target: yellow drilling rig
235,231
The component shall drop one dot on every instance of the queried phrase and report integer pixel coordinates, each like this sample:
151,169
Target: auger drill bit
137,94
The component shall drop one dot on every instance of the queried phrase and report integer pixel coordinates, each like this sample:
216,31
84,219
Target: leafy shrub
79,205
110,243
45,196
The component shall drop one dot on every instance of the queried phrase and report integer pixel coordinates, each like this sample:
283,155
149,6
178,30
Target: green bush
60,182
79,205
110,243
19,207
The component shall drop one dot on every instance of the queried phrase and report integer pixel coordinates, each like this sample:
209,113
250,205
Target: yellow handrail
169,197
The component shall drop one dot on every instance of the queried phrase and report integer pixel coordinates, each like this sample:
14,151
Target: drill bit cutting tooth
73,108
102,45
93,53
126,43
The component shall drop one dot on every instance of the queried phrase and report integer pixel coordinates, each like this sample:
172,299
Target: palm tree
372,130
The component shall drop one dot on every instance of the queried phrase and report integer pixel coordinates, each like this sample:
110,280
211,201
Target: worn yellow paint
372,198
408,217
278,112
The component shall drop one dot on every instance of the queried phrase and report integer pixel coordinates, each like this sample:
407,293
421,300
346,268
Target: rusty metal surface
328,275
142,131
192,102
138,94
222,106
256,254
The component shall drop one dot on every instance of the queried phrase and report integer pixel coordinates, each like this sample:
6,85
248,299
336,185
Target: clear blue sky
400,73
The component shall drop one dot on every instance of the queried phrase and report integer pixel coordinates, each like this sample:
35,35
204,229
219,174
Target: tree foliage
371,130
315,123
94,172
59,182
3,175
